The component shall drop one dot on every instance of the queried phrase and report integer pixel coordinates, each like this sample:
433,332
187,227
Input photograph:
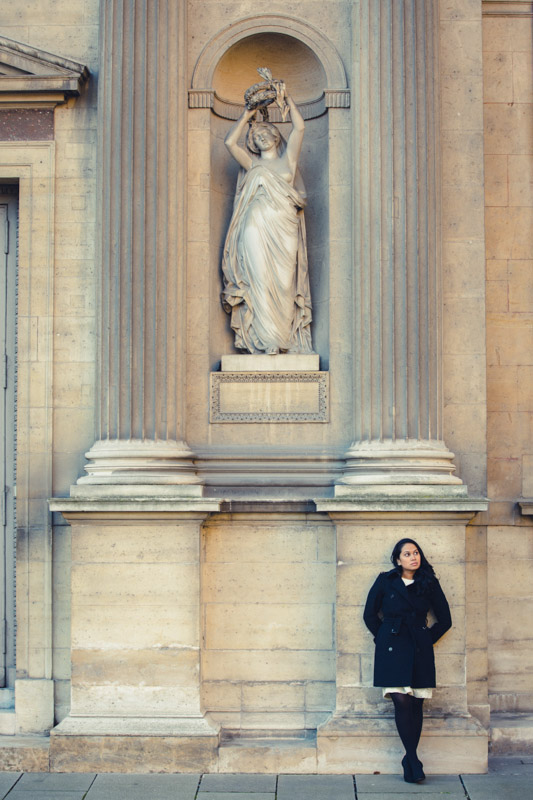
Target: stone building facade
195,531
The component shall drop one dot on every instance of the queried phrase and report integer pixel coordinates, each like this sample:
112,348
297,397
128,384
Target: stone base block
511,733
24,754
261,362
8,721
34,704
364,745
268,755
87,744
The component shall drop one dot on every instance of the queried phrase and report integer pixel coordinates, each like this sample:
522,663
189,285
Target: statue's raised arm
266,281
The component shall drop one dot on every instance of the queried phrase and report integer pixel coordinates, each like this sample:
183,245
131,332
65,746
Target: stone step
262,753
24,753
363,745
511,733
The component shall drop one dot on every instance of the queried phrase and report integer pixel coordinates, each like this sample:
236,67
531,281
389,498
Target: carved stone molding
507,8
336,94
275,397
208,98
33,78
270,23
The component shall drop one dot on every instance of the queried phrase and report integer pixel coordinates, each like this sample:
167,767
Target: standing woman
404,664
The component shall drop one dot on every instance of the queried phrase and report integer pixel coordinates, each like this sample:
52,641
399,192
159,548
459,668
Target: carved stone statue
266,280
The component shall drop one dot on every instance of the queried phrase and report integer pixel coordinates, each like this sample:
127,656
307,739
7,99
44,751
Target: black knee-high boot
408,717
418,713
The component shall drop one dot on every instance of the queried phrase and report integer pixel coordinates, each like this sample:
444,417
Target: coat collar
400,586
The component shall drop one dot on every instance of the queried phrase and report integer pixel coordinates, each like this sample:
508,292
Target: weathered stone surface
342,745
132,753
25,754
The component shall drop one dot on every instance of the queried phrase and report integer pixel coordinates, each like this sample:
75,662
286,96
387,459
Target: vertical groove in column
412,209
149,287
434,269
181,207
126,155
363,204
134,175
358,106
160,372
375,231
400,221
386,266
104,388
424,202
170,390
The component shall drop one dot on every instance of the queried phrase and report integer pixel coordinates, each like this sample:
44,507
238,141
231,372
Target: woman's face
263,138
409,558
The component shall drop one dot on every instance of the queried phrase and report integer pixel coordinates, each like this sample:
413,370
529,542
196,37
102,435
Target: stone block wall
508,98
61,359
268,599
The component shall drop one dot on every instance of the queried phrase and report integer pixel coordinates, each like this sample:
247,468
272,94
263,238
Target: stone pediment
34,78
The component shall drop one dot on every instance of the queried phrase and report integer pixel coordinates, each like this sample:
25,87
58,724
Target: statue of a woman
266,281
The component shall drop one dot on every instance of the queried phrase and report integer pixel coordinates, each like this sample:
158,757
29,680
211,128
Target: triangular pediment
26,72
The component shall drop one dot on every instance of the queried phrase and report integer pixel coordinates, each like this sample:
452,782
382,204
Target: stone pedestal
368,744
264,388
135,631
367,530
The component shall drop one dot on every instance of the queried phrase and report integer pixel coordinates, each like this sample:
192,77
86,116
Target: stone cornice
507,8
30,77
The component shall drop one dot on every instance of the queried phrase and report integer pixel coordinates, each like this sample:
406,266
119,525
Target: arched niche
315,76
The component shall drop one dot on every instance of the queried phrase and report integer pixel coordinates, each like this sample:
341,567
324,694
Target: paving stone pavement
508,779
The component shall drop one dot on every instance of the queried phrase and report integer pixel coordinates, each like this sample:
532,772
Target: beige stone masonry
507,52
268,595
135,634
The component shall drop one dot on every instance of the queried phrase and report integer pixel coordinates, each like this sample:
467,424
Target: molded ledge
394,498
132,500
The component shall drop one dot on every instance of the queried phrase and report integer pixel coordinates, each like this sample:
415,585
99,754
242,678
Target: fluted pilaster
398,393
142,189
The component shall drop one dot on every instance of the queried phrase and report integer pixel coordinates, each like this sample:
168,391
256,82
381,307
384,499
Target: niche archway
315,75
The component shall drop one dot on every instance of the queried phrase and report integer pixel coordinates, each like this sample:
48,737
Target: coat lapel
401,588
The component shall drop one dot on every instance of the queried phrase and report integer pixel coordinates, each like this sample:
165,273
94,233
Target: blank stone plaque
245,392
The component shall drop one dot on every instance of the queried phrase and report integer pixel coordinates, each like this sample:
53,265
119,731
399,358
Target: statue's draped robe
266,279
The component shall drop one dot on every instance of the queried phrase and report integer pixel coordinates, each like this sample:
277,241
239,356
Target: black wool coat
397,617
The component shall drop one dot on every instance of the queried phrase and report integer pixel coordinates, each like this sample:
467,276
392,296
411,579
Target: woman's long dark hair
425,574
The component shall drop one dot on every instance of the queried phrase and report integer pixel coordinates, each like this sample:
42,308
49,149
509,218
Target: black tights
408,713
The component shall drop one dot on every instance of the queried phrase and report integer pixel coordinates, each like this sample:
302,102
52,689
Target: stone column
142,172
397,335
135,588
398,479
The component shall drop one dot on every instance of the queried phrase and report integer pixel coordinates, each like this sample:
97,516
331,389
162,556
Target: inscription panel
269,397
